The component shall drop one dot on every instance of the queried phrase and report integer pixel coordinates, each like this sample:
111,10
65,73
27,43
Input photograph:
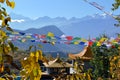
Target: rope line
101,8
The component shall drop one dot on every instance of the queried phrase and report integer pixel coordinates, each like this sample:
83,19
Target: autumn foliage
105,60
30,67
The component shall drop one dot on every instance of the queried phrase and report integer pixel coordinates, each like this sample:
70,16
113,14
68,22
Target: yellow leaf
40,55
2,79
37,56
8,3
72,77
1,58
2,1
31,76
11,4
3,23
39,71
119,47
77,77
84,74
1,17
89,78
1,50
14,75
32,54
23,72
37,78
35,73
115,57
1,68
6,50
2,33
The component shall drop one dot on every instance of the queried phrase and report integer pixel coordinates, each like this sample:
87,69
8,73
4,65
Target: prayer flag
50,34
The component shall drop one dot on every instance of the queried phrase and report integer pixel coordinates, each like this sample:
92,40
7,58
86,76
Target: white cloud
19,21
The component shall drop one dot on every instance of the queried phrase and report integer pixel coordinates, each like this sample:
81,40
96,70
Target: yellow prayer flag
15,32
28,36
76,42
98,44
50,34
53,43
103,39
83,40
23,40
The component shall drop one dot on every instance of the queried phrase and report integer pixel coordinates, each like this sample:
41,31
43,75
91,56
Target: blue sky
61,8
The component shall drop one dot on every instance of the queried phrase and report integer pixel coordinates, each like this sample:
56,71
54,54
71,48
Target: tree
30,67
106,62
100,62
6,47
116,6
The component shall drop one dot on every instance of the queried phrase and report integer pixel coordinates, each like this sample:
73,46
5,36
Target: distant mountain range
89,26
93,25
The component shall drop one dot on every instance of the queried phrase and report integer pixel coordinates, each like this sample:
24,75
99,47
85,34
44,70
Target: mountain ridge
91,25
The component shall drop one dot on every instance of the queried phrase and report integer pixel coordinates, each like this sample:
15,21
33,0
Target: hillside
44,30
48,48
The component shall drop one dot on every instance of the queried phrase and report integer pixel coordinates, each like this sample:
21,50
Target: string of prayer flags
63,39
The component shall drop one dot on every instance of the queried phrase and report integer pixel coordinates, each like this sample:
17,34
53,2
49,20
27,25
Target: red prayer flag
90,43
43,36
69,37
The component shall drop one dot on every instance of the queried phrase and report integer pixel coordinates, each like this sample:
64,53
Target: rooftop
57,63
85,54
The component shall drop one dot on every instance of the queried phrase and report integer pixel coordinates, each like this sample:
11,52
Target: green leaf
4,12
9,29
15,48
30,47
12,46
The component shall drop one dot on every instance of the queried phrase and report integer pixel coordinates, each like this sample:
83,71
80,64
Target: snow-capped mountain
91,25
